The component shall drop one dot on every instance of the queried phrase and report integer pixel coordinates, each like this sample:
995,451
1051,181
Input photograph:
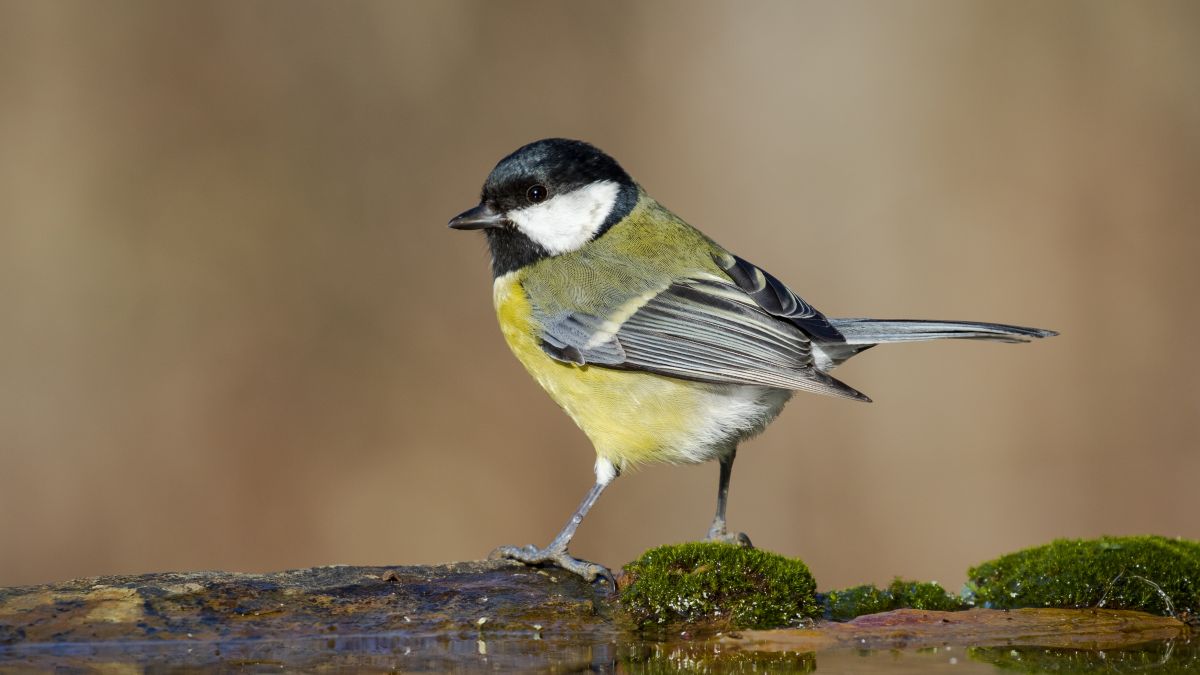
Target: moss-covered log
501,614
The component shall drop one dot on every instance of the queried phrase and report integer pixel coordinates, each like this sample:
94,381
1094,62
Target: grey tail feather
835,387
862,334
876,331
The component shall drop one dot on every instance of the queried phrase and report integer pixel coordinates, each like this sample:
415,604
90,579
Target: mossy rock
1150,573
848,603
717,586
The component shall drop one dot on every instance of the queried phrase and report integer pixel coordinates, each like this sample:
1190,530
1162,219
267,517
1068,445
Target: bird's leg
717,531
556,552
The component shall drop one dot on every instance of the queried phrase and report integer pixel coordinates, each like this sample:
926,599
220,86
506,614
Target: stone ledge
486,595
492,614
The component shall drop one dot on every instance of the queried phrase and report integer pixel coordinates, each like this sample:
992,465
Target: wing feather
699,329
776,298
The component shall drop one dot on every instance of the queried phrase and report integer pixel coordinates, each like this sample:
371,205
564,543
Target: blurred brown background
236,333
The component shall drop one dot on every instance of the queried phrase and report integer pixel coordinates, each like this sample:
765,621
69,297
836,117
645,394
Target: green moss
1152,574
848,603
718,586
925,595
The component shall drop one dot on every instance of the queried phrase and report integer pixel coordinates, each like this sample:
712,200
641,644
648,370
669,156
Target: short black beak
481,217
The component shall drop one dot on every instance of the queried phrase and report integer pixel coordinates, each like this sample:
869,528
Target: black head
549,197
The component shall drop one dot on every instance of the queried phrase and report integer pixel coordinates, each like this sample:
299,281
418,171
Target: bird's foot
721,536
532,555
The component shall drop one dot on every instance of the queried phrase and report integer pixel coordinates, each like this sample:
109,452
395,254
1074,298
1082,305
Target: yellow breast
631,417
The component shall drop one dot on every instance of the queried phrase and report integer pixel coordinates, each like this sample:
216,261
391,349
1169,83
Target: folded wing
773,296
703,329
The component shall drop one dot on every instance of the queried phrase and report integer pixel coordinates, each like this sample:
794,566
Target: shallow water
528,651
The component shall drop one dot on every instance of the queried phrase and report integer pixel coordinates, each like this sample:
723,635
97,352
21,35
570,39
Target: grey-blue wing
776,298
707,330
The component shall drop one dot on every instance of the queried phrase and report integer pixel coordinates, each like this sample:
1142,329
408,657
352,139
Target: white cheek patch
567,221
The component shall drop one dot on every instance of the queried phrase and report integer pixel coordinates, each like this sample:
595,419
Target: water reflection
656,658
1175,656
572,652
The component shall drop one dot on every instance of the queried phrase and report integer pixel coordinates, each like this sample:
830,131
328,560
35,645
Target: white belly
727,416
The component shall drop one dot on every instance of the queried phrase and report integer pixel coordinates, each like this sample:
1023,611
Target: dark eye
536,193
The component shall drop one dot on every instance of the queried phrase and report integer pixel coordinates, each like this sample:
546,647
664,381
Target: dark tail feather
863,334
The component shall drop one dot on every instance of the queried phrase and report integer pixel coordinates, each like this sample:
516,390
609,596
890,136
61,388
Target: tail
862,334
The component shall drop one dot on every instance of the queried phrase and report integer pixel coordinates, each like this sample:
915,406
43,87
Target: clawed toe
531,555
735,538
593,570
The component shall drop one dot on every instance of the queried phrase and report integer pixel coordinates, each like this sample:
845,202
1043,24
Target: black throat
512,250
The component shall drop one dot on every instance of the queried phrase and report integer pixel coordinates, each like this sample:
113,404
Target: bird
661,345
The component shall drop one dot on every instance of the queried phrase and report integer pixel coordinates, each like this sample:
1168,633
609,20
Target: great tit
662,345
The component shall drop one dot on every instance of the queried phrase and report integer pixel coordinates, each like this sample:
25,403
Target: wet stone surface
503,615
1096,629
468,601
